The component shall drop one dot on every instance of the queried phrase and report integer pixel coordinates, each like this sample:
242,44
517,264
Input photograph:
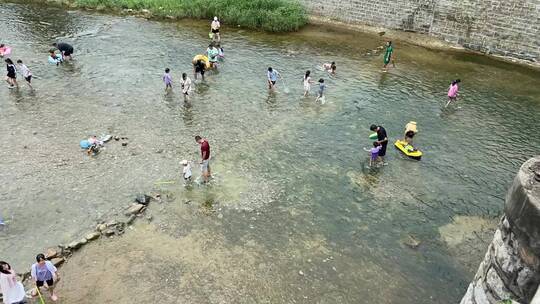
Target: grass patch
268,15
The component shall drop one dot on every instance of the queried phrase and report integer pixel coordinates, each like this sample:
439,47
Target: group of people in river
66,51
201,63
44,276
215,53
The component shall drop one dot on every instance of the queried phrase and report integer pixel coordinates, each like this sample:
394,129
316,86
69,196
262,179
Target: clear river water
294,203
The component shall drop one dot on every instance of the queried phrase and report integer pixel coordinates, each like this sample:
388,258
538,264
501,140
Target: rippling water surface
288,170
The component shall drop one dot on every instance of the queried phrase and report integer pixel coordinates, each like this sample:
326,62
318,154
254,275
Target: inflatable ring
5,51
204,59
85,144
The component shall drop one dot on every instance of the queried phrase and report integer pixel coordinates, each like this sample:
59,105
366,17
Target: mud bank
417,39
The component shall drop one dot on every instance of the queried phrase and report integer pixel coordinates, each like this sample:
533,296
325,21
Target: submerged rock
101,227
143,199
131,219
57,261
112,223
412,242
77,244
92,236
109,232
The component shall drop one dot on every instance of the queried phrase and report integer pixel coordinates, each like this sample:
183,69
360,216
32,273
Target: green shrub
268,15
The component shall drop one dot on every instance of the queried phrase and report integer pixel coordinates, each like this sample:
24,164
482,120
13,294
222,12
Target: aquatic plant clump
268,15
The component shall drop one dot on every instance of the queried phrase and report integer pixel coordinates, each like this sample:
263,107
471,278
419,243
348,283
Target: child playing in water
307,83
11,77
199,67
25,71
186,86
186,172
4,50
95,145
54,58
272,77
374,153
167,79
212,54
221,52
330,67
320,94
453,91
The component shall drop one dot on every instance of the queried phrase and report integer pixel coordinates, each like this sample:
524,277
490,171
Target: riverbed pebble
134,209
108,232
101,227
51,253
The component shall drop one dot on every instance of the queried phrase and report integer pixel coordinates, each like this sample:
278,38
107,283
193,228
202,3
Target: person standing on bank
214,27
65,48
382,139
11,289
44,271
388,55
205,158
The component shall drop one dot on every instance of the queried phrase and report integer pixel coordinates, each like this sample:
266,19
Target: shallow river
290,174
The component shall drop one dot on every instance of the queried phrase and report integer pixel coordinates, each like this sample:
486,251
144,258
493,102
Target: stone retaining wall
510,270
502,27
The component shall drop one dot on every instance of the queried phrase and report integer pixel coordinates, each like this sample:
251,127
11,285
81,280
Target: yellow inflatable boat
408,150
204,59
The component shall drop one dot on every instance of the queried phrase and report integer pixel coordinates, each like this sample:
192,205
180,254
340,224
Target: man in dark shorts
65,48
205,157
382,139
214,27
199,67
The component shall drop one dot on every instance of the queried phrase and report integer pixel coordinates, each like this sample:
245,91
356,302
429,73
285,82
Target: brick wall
504,27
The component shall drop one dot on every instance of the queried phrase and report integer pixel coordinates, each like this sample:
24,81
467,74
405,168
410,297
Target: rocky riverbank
107,229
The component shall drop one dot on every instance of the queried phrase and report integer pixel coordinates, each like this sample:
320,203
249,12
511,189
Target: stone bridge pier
510,271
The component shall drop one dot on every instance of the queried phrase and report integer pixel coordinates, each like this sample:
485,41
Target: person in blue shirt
272,77
320,93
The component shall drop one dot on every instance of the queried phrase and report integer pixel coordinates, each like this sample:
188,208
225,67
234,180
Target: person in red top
205,157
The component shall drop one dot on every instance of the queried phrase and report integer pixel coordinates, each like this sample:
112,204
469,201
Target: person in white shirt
12,290
186,172
25,71
214,27
186,86
307,83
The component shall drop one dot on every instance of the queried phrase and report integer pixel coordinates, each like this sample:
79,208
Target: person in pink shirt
453,92
4,50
